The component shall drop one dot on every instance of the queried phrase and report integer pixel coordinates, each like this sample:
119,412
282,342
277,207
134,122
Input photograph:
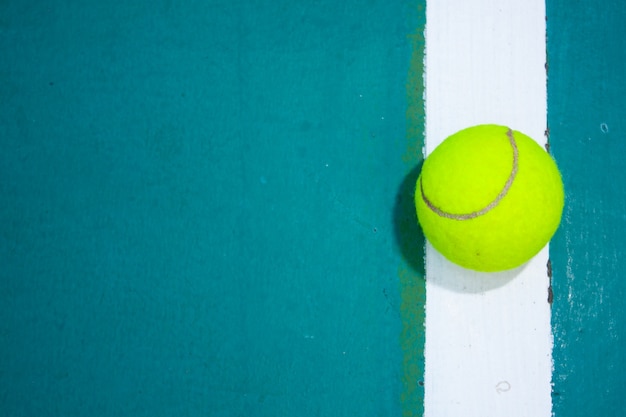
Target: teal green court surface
199,209
586,116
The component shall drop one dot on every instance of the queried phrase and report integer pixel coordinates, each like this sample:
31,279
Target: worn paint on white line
488,336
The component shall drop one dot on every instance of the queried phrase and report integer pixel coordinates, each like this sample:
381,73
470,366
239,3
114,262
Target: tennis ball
489,198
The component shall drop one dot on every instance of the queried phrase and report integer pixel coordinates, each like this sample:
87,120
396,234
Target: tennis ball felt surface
489,198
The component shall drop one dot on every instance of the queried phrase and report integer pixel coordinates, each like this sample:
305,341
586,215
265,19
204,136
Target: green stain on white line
411,272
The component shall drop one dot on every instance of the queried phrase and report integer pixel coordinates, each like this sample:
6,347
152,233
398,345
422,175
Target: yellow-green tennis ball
489,198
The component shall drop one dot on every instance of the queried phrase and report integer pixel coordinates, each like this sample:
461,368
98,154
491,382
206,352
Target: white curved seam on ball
490,206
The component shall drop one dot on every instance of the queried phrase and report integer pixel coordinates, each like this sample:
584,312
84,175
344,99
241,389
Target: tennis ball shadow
462,280
408,233
412,243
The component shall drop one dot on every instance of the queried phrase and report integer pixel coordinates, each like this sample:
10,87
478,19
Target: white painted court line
488,338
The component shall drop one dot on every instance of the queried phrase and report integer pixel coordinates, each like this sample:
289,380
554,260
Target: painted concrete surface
488,336
586,114
202,208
